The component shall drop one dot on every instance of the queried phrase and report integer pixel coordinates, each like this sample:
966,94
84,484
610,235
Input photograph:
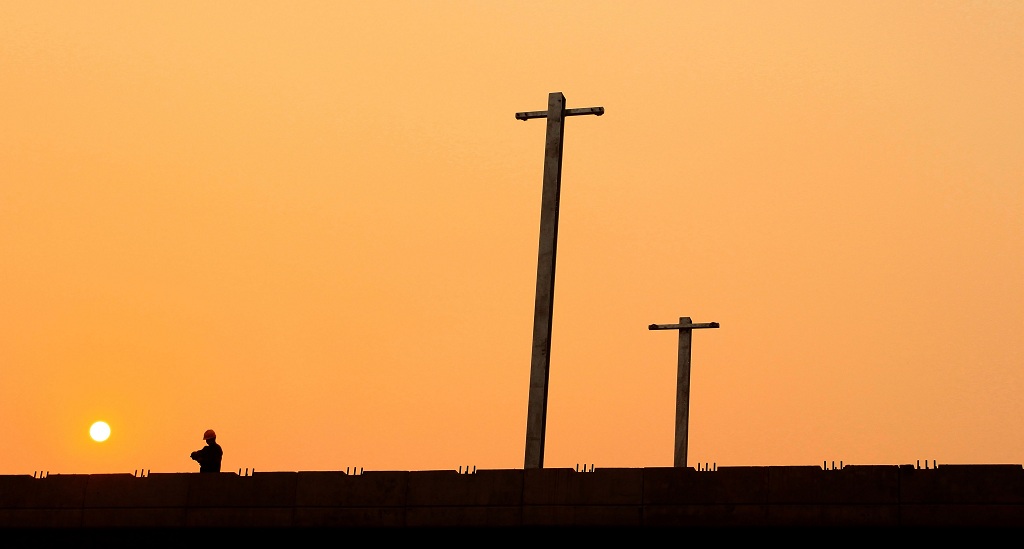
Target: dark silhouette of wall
772,496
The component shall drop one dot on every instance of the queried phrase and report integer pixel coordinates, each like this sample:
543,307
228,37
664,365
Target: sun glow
99,431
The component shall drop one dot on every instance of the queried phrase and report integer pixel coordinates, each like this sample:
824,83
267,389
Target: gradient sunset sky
313,227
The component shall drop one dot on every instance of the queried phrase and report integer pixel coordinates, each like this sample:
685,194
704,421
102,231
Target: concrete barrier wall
947,495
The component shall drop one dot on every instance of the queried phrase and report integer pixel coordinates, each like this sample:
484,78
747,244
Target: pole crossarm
683,326
596,111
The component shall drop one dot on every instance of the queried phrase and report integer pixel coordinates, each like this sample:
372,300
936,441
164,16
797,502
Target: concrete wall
874,495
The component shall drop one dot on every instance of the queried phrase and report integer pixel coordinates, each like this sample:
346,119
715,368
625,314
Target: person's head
209,436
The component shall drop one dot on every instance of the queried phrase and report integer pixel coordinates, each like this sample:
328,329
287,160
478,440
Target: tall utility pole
536,417
685,328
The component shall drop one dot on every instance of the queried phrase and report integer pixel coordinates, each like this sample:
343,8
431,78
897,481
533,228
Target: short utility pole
685,328
536,416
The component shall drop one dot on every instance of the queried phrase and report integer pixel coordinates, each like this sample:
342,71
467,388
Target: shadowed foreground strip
726,497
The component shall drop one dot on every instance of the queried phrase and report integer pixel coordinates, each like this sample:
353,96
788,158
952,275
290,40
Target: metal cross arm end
683,326
596,111
531,114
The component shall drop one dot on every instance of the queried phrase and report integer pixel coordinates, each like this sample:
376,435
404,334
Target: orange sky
313,227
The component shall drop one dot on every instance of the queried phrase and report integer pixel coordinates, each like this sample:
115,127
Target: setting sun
99,431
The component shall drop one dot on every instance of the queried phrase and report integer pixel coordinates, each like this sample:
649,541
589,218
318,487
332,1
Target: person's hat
209,434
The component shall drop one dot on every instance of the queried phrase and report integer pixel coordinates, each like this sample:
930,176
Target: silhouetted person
209,456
